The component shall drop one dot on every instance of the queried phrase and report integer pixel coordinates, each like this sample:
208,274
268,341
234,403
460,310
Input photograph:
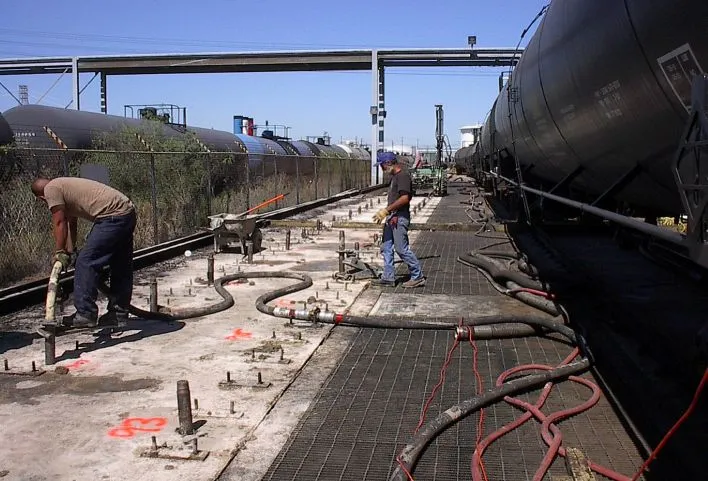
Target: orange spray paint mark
238,334
77,364
130,426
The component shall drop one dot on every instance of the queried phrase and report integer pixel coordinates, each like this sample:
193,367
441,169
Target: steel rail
26,294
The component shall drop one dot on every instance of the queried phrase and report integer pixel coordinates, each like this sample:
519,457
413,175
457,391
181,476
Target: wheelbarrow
228,228
236,228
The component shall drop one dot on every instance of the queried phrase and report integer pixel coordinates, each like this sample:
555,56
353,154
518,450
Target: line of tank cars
28,125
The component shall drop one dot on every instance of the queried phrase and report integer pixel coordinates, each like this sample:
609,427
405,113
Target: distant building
470,134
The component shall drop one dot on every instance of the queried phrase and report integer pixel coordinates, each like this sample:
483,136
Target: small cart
231,228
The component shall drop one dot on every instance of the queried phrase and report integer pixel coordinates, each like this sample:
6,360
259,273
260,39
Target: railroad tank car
355,151
603,87
5,131
79,130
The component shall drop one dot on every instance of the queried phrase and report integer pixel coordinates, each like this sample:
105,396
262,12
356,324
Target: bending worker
110,243
397,217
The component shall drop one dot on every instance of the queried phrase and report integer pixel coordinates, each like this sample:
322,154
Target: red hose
535,292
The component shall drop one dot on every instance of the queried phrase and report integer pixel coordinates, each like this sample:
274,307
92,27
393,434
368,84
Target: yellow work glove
380,215
63,257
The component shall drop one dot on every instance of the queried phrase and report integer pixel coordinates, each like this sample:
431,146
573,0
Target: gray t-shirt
401,183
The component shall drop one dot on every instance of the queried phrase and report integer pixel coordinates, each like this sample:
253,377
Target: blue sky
310,103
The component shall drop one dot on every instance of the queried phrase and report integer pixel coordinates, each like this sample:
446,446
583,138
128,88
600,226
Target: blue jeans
397,237
110,243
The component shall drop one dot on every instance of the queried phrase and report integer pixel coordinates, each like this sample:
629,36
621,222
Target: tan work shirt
87,199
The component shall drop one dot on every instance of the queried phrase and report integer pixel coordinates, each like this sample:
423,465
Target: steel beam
75,82
649,229
376,106
322,60
104,92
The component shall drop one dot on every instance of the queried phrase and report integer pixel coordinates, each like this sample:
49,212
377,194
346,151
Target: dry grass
183,198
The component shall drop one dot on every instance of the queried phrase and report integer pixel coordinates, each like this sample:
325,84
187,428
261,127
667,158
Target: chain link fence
174,192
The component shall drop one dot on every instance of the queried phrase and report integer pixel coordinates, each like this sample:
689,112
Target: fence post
210,188
153,182
248,183
329,175
297,181
342,183
317,178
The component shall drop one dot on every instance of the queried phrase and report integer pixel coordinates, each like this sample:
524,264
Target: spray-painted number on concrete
130,426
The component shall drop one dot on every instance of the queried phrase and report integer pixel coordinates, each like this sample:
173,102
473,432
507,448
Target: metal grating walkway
370,405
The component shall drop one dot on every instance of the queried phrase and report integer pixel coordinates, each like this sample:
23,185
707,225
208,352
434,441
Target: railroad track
20,296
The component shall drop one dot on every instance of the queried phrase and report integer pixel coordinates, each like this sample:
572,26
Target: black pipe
410,454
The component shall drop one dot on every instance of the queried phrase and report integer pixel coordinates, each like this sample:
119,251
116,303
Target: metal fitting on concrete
342,246
358,210
210,269
153,295
249,250
287,240
184,408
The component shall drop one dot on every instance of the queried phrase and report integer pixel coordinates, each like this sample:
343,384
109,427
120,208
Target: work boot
414,283
383,283
78,320
113,319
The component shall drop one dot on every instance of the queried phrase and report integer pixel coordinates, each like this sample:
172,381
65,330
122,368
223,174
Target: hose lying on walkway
512,283
411,452
170,314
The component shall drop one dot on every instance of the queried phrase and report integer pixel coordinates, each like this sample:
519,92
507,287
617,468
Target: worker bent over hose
110,243
397,217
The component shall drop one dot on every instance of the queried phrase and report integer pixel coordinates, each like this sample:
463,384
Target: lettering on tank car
679,67
609,99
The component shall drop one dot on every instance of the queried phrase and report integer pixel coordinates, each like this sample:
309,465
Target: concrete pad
96,421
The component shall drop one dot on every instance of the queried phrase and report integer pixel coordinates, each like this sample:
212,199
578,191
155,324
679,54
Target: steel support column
75,81
104,99
377,114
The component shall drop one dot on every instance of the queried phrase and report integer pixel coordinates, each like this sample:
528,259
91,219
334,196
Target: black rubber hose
410,454
167,314
499,274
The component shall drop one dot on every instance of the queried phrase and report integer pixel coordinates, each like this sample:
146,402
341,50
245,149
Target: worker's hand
63,257
380,215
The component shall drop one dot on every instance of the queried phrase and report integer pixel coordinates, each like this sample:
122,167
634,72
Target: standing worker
397,217
110,243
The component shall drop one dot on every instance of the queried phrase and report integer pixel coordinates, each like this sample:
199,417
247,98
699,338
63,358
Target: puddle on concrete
24,391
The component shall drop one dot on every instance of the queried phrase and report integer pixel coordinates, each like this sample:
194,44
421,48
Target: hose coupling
325,316
300,314
462,333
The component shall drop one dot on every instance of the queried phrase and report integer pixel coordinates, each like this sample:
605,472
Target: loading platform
278,399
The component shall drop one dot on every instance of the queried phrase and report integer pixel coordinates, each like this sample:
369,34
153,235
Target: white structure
400,149
470,134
